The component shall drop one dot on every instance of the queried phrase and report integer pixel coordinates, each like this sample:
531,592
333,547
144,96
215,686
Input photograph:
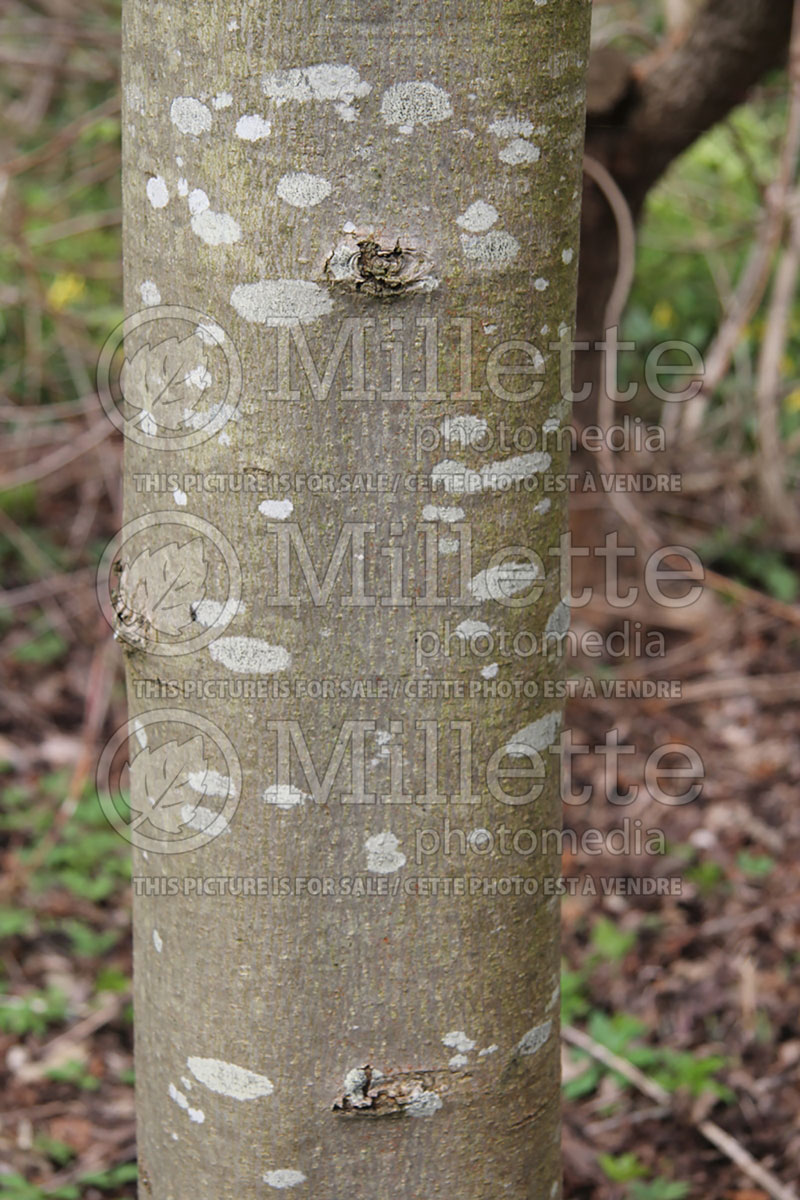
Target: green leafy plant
674,1069
75,1073
609,941
621,1168
33,1012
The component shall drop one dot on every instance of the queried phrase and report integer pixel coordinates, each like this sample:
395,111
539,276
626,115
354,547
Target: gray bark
414,170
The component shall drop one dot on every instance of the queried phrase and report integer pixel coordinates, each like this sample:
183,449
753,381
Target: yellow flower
663,314
64,289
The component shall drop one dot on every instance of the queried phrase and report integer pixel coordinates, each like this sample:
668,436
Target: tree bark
368,215
656,108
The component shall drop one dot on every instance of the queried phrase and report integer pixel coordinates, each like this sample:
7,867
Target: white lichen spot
210,783
178,1096
303,190
149,293
534,737
457,1039
453,476
208,612
567,255
336,82
496,248
499,583
157,192
189,115
424,1104
210,333
415,103
203,820
520,151
216,229
198,201
479,217
490,670
250,656
283,795
488,1050
458,479
183,187
281,301
558,621
180,498
511,127
158,941
134,97
534,1039
199,377
383,853
554,998
284,1178
457,1062
432,512
229,1080
276,510
543,506
194,1114
187,1083
253,128
449,546
541,284
222,100
140,733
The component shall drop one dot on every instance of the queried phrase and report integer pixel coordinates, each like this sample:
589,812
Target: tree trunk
351,231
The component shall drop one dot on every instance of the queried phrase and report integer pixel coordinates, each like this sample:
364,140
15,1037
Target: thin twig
59,458
771,454
757,270
626,238
34,158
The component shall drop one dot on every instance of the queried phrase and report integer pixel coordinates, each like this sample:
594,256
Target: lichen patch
416,102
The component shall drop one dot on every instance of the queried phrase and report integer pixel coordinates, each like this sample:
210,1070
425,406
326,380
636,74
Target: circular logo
184,776
169,377
169,583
